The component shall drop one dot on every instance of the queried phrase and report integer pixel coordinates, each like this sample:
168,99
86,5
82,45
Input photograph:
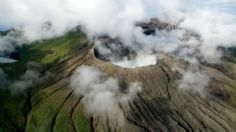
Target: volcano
161,106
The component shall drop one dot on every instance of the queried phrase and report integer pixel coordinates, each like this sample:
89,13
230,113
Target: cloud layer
213,20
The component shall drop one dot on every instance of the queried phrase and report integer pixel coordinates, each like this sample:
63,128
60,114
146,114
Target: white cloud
101,95
194,80
28,79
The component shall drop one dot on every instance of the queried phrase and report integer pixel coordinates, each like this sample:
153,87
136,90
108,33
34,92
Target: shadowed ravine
161,106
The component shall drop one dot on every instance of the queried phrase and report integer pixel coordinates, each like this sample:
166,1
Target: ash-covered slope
159,107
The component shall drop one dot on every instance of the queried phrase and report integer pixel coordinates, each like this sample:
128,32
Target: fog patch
193,79
102,96
30,78
10,41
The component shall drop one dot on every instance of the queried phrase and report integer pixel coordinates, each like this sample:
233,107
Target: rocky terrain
161,106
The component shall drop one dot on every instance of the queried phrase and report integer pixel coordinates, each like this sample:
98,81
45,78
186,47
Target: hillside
52,105
43,54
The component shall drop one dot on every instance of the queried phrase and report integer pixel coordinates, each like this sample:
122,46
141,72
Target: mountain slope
161,106
43,54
